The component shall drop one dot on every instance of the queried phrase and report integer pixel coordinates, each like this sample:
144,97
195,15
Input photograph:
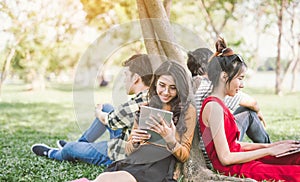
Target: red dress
267,168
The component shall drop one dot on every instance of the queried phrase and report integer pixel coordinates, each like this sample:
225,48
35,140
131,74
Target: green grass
38,117
44,117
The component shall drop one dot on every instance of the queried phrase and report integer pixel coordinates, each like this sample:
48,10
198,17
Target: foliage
44,117
43,39
104,13
52,40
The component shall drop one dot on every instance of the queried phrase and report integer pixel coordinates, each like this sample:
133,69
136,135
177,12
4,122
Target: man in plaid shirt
118,121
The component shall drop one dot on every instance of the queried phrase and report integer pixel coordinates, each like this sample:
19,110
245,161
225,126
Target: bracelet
136,145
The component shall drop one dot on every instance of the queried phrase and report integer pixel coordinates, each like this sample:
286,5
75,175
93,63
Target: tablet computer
145,113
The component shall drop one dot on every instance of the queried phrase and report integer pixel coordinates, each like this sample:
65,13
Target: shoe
61,143
40,149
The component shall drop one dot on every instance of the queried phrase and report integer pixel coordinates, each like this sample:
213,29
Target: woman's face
236,84
166,88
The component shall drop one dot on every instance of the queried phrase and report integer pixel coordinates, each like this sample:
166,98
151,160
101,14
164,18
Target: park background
42,43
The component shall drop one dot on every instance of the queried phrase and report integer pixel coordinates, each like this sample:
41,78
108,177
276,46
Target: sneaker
40,149
61,143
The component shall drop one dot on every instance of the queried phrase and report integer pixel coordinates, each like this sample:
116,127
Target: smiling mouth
165,98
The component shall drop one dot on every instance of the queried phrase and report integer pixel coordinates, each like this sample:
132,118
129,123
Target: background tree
38,40
278,89
225,11
292,37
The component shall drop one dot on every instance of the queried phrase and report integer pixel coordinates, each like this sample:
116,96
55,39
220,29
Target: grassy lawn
44,117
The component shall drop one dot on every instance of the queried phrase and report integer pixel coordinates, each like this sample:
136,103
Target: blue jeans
249,123
84,149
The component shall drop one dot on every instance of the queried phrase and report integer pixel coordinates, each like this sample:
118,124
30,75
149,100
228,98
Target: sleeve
129,148
124,115
204,89
182,148
233,102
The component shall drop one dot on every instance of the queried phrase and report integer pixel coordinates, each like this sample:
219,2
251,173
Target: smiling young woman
220,132
147,162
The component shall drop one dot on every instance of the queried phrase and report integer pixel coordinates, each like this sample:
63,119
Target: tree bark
151,44
195,170
167,5
163,30
5,67
278,84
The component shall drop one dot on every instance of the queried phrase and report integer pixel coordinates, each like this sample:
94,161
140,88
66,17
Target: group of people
210,100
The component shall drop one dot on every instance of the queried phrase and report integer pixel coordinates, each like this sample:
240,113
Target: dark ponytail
224,60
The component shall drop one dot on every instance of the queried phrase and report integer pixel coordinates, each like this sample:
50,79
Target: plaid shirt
123,118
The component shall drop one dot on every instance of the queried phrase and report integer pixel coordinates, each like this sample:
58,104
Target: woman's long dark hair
181,102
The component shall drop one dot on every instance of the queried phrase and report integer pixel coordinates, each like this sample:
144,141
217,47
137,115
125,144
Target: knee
115,176
68,149
103,177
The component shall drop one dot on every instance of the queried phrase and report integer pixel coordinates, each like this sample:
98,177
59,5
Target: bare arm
249,102
252,146
136,138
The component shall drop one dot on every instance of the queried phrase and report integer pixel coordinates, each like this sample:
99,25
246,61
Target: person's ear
224,76
135,78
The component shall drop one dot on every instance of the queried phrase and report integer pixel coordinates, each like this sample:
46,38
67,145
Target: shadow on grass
18,163
24,124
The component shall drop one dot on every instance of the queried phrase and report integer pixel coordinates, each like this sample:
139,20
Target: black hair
198,60
224,60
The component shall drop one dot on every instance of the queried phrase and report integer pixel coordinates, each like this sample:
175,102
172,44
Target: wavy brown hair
182,101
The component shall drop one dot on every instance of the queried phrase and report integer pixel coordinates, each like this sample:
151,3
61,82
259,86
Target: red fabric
268,168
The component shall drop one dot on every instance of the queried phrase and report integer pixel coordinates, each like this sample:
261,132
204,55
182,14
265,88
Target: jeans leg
256,132
249,123
92,153
97,128
242,121
93,132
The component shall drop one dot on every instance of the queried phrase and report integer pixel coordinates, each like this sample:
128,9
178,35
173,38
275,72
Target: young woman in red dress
220,134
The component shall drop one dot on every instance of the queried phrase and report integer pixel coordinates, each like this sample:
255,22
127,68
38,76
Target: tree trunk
163,30
167,5
5,68
195,170
278,86
152,45
160,29
295,69
294,76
